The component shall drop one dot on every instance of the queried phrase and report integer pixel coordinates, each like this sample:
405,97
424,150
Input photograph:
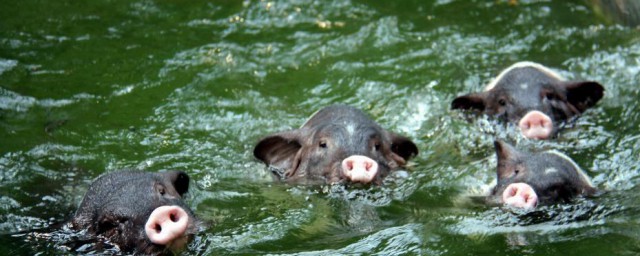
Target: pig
527,179
140,212
533,97
339,143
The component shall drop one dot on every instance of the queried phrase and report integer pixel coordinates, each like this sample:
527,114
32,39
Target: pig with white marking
533,97
527,179
338,143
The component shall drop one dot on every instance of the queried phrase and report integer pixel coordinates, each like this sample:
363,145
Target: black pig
528,179
337,143
141,212
534,97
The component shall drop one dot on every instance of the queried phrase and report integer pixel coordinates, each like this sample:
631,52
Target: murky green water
96,86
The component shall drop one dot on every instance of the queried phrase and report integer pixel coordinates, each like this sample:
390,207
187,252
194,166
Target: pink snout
536,125
359,168
520,195
166,224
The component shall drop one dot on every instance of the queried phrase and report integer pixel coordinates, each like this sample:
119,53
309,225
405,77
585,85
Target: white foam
6,65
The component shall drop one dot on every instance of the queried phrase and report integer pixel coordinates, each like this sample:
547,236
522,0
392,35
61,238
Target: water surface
89,88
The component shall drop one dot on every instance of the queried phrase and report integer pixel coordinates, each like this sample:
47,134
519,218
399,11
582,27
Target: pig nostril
166,224
350,165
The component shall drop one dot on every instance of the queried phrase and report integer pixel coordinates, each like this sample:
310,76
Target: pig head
338,143
533,97
141,212
529,179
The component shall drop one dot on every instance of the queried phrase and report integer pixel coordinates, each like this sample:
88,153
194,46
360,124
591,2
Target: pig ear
180,181
278,150
403,146
504,151
584,95
473,101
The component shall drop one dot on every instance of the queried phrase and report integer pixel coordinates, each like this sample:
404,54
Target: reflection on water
88,89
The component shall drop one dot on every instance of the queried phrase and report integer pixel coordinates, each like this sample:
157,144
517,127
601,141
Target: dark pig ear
584,95
180,181
403,146
278,150
505,152
506,156
473,101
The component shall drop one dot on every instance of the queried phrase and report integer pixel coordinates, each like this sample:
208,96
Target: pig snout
520,195
359,168
536,125
166,224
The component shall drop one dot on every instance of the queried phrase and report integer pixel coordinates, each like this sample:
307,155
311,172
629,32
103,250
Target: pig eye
502,102
516,171
323,144
377,146
160,189
550,96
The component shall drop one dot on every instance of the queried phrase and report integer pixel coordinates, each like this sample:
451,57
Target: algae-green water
92,87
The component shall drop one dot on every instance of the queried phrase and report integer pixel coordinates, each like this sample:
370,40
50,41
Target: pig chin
175,247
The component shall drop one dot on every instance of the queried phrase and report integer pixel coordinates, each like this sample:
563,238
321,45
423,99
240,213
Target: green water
96,86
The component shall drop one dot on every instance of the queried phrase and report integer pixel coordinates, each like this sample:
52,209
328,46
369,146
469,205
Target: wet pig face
528,179
533,97
141,212
338,143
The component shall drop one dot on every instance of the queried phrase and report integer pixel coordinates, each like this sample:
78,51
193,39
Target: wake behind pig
140,212
338,143
528,179
533,97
